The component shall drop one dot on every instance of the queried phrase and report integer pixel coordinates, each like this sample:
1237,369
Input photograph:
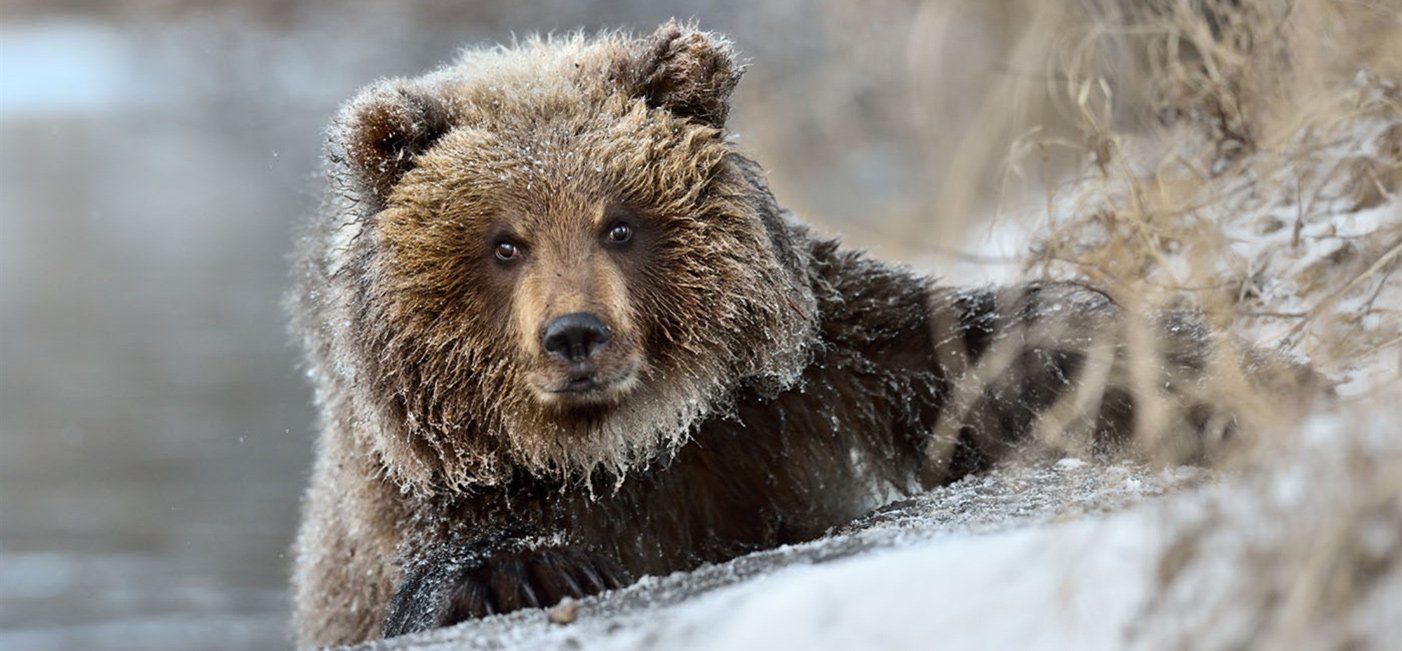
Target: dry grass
1239,158
1255,107
1225,144
1244,158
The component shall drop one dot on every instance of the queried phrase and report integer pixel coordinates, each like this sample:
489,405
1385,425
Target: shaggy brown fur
757,384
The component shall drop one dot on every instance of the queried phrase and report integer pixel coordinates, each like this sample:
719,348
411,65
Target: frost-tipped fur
784,383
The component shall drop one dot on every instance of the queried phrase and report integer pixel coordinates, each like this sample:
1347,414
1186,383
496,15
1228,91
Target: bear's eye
620,234
507,251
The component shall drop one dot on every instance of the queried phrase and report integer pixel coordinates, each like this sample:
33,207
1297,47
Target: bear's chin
588,386
595,395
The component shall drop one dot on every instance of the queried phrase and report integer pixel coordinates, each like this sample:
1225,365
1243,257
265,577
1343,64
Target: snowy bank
1028,558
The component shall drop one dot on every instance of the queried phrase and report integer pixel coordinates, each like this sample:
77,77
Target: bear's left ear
382,131
688,72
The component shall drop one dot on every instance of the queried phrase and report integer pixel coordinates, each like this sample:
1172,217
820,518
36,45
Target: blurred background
155,434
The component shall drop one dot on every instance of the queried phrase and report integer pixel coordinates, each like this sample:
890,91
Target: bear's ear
688,72
382,130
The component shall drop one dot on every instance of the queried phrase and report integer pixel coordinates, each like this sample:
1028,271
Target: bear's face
565,265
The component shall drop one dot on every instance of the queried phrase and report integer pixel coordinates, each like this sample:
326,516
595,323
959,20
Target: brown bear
562,336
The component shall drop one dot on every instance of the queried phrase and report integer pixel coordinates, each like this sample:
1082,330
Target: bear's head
558,264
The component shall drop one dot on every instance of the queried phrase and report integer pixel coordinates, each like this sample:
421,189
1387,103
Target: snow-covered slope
900,577
1063,555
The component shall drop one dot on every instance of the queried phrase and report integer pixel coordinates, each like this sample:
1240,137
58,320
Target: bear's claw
437,594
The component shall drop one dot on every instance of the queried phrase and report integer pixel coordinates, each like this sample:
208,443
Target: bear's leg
494,575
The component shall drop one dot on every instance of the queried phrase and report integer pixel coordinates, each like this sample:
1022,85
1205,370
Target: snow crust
1053,555
908,574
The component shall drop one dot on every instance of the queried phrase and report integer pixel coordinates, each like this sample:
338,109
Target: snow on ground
1061,555
889,579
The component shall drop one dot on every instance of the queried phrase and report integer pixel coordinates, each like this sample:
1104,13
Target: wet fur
788,385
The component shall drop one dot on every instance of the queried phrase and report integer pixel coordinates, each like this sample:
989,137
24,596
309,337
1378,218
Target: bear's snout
575,337
584,359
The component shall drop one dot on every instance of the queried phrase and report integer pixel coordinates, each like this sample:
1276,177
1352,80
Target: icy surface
888,579
1059,555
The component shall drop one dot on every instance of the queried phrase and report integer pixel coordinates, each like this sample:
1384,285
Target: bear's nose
575,337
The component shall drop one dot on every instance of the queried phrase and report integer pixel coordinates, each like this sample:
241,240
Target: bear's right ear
686,71
382,130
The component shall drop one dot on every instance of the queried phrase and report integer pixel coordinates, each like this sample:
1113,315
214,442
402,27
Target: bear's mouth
580,382
587,385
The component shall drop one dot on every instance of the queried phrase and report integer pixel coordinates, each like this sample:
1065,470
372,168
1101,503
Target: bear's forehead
539,174
540,162
554,133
